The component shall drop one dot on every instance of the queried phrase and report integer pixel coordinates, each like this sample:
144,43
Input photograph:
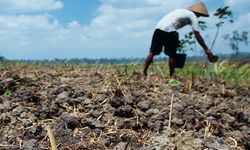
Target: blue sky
81,10
48,29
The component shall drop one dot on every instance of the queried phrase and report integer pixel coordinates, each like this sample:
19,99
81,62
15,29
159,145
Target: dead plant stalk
52,139
170,113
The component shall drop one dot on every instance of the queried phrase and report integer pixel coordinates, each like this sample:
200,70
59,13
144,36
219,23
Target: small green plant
7,92
173,82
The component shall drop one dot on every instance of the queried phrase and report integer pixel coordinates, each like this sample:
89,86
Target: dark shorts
170,41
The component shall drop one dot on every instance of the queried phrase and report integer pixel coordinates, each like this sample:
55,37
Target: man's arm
201,42
211,57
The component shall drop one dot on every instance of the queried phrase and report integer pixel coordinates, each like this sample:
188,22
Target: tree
223,14
235,38
1,58
189,39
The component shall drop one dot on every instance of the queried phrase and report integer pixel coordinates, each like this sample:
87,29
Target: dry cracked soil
104,109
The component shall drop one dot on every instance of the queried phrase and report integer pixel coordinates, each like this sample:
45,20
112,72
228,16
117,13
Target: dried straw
170,113
51,139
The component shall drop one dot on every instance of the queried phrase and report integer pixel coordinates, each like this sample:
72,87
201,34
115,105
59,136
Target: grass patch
235,73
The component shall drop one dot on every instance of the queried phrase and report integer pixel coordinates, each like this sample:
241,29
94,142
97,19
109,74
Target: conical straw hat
199,8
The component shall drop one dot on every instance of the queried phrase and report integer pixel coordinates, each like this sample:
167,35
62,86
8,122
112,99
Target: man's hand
211,57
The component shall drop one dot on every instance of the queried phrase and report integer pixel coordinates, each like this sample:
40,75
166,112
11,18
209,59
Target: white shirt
178,19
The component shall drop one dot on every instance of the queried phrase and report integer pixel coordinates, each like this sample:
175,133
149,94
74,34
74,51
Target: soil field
98,109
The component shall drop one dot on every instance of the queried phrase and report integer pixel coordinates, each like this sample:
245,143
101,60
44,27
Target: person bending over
166,35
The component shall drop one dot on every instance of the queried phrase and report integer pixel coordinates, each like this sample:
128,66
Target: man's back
178,19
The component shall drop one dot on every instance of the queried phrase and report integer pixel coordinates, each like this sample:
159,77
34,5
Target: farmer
166,35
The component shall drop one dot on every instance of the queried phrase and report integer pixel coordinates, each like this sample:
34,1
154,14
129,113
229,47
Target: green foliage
173,82
235,38
237,73
202,25
188,43
192,69
2,58
223,14
7,92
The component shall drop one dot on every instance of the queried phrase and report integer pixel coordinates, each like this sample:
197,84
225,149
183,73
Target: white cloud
148,3
243,23
24,6
25,31
130,19
74,24
241,6
26,22
120,28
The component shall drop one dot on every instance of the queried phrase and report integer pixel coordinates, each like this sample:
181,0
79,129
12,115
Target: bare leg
171,63
148,61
